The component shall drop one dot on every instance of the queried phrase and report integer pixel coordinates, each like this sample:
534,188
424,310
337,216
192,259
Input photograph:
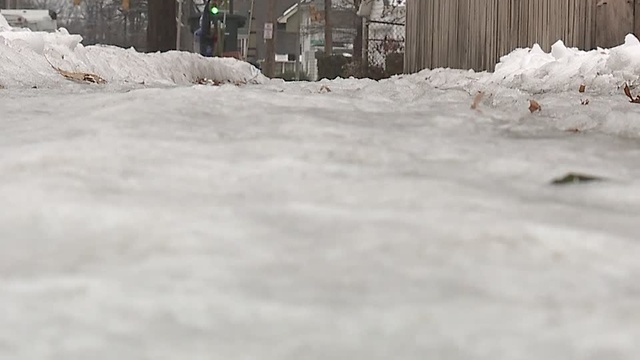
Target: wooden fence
474,34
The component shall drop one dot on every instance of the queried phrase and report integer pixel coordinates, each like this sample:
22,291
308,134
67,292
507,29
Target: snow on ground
28,58
377,220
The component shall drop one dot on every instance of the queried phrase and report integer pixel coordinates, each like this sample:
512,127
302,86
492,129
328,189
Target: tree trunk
328,29
161,31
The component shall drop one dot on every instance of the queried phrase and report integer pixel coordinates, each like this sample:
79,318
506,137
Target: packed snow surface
345,219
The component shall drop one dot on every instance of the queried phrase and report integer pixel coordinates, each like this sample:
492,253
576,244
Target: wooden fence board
614,20
462,48
476,33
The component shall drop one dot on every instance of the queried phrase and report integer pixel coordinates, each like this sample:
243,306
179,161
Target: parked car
35,20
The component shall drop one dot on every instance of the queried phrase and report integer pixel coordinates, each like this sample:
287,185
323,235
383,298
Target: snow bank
4,25
535,71
563,68
27,59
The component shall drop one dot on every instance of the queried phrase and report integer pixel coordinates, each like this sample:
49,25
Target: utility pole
298,41
270,37
328,29
179,24
252,43
358,41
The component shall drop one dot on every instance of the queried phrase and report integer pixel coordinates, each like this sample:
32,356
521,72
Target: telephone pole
252,46
179,17
328,29
270,37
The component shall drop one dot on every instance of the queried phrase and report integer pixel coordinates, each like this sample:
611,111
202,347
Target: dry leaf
477,100
80,76
583,88
534,106
585,102
211,82
324,89
205,81
627,92
574,178
574,130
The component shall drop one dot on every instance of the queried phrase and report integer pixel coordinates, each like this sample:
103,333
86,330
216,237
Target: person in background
204,34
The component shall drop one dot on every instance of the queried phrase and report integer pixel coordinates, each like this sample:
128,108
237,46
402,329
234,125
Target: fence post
365,43
636,18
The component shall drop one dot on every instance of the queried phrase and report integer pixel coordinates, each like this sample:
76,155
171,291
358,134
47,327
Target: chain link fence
385,46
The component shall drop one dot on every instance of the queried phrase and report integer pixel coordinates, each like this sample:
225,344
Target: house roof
292,11
288,14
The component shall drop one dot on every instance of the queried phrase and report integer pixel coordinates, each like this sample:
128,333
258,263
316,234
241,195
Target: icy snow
380,220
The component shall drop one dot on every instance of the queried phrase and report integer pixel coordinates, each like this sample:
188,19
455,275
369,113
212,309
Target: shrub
359,71
291,76
331,67
394,63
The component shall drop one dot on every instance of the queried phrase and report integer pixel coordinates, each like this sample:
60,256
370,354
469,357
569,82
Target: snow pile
532,70
27,59
4,25
565,69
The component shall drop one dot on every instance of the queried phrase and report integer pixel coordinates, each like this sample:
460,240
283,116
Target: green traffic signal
215,10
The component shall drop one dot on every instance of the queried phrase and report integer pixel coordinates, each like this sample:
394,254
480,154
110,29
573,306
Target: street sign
268,31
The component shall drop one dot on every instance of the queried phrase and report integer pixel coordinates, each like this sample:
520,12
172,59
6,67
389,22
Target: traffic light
214,8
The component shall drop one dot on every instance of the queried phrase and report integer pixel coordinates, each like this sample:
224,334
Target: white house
306,18
383,10
384,28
